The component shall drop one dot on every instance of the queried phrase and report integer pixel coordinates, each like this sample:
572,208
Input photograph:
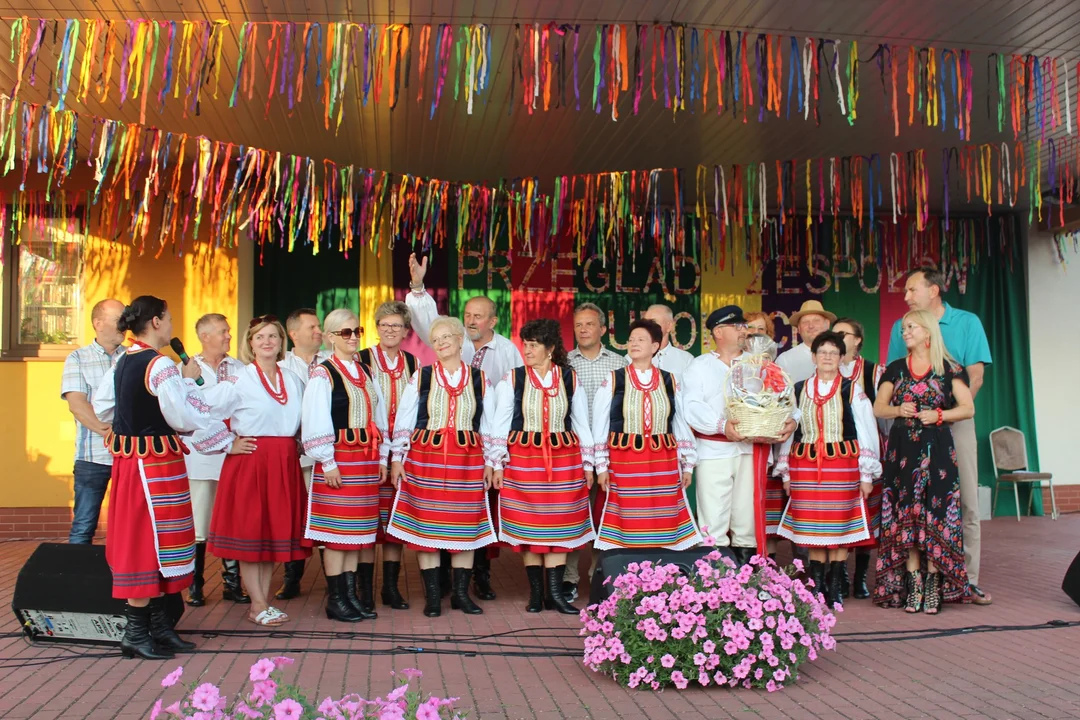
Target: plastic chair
1008,449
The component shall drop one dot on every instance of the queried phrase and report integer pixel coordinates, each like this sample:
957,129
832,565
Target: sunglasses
262,319
347,333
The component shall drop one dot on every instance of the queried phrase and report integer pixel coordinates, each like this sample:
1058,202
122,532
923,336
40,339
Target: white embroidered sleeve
867,433
382,419
216,437
497,453
405,422
579,422
487,418
180,400
684,437
698,387
423,309
601,422
316,424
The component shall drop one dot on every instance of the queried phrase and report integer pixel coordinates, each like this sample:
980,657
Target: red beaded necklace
911,370
360,382
394,375
282,396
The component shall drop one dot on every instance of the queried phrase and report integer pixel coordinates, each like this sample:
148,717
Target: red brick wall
39,522
1068,498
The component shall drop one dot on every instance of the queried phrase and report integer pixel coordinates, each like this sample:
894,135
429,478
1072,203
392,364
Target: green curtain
286,281
997,292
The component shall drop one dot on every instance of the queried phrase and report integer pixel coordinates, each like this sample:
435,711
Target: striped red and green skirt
646,504
150,546
544,501
441,503
826,508
346,518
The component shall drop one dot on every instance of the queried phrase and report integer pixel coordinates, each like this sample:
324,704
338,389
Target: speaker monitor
1071,583
613,563
64,593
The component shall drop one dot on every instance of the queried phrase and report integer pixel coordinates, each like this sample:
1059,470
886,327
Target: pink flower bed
719,626
272,700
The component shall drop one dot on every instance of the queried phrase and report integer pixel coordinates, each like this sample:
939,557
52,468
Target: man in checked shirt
593,363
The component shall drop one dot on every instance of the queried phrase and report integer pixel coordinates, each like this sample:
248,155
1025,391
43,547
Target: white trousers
203,493
725,500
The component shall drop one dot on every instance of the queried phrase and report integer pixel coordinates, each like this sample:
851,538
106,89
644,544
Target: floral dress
920,504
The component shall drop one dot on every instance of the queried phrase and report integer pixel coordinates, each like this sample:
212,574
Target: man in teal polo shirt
965,340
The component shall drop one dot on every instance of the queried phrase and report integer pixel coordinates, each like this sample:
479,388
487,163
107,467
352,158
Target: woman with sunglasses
439,468
258,516
345,432
392,368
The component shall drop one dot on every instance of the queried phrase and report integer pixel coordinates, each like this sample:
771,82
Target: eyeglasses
442,338
391,327
347,333
262,319
735,326
828,353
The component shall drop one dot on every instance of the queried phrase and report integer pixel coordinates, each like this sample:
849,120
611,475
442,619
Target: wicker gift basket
761,396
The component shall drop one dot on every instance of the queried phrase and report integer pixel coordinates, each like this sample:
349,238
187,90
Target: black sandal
932,602
915,591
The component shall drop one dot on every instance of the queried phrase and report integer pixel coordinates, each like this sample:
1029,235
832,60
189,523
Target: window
42,293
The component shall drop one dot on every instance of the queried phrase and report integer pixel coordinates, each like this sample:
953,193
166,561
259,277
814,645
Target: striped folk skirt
441,503
826,507
346,518
150,546
775,502
646,503
259,509
544,501
387,496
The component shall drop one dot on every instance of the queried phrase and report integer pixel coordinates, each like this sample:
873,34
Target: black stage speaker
613,563
1071,583
64,593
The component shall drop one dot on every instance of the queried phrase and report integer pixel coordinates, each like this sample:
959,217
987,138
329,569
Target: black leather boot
391,596
817,576
338,606
161,629
137,640
834,595
290,585
432,592
195,591
446,583
460,599
353,599
365,589
554,598
482,575
845,581
535,573
862,564
230,579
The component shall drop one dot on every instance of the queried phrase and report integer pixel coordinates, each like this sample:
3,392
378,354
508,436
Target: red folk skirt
150,545
775,502
387,496
826,508
259,510
646,503
346,518
544,501
441,502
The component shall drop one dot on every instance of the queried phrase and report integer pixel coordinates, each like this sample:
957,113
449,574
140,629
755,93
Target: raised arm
421,305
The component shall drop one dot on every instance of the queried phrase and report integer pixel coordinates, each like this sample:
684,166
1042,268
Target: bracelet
940,416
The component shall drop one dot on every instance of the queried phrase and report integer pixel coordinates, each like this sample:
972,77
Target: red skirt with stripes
259,510
441,503
544,501
826,508
646,503
387,496
346,518
150,546
775,502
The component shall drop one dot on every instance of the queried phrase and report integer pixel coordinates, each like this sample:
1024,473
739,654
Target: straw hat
812,307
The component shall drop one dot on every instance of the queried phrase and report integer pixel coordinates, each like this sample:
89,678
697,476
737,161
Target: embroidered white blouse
180,400
317,424
250,410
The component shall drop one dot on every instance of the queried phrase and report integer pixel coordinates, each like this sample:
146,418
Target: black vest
339,395
520,378
619,390
845,399
868,384
138,413
367,357
424,389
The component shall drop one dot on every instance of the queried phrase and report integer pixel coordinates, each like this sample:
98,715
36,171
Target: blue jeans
91,482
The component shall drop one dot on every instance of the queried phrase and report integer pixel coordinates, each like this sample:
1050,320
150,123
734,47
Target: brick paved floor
887,665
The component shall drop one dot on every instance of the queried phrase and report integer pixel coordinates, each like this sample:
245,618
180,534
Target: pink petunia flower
412,673
668,661
282,661
261,670
172,678
288,709
205,697
679,679
156,710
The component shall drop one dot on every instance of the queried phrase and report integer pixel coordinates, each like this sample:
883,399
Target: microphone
178,348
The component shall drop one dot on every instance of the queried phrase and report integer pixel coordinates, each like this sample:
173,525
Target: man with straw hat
811,320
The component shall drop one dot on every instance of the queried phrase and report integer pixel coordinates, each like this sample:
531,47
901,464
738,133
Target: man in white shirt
83,373
674,360
488,350
204,471
727,464
592,363
811,320
304,330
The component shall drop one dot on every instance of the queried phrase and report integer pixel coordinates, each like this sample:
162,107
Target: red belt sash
761,466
